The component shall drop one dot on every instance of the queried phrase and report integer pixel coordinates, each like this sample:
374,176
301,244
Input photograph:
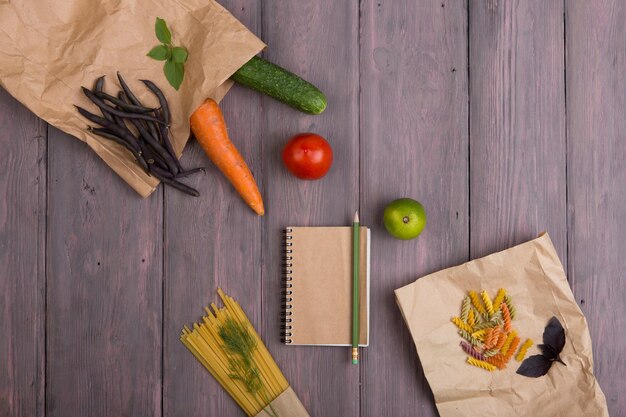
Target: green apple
404,218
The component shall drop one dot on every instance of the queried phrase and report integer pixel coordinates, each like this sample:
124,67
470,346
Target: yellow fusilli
481,364
476,301
461,324
471,320
507,343
480,334
523,349
511,350
499,298
487,301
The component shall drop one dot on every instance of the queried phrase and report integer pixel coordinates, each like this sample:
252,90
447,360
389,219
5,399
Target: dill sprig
240,345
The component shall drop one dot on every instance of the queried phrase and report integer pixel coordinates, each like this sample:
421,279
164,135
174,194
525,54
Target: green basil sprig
174,56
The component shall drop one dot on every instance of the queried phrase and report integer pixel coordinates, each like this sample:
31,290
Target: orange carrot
209,128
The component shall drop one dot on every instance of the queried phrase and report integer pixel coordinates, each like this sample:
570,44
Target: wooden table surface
505,118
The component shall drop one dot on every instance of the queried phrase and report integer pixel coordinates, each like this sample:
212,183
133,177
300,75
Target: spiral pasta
523,349
461,324
487,301
509,304
480,334
470,350
481,364
490,339
507,343
470,318
476,301
506,317
498,360
489,353
465,335
511,350
465,309
501,340
486,325
499,297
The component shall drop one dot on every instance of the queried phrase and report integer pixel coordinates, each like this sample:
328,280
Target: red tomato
308,156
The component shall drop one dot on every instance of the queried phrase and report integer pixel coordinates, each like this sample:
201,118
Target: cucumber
277,82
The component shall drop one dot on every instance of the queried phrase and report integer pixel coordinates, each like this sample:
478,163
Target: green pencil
355,288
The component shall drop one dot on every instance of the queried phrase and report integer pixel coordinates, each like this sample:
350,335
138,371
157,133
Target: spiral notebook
317,298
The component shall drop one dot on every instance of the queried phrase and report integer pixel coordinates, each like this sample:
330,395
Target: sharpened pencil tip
356,216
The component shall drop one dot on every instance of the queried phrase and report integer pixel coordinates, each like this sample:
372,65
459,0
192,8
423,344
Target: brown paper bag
52,48
286,404
533,275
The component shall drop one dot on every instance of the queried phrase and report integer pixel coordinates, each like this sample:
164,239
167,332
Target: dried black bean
122,104
158,170
189,172
154,144
162,100
114,128
111,110
168,145
98,85
111,136
127,90
178,185
151,156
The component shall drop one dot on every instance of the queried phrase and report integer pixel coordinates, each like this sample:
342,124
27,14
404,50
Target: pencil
355,288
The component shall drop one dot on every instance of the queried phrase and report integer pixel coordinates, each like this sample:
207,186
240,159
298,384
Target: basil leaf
160,53
162,32
535,366
554,335
174,73
179,55
547,351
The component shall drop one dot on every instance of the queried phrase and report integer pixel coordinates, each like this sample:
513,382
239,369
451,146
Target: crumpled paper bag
286,404
51,48
533,276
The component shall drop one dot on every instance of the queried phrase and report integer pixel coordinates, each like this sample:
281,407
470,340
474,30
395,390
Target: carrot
209,128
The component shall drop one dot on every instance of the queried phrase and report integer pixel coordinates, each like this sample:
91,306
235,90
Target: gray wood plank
414,143
596,150
22,259
318,41
211,241
517,124
104,264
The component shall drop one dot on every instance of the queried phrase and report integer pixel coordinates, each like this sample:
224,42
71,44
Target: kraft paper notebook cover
317,307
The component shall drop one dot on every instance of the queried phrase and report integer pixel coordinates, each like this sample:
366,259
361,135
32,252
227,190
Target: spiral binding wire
286,319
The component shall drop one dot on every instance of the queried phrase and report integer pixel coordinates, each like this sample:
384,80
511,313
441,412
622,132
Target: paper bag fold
286,404
534,277
50,49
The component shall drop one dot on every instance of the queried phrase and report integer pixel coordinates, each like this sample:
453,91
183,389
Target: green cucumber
277,82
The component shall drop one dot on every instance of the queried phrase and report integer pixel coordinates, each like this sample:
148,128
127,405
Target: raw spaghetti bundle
486,325
227,345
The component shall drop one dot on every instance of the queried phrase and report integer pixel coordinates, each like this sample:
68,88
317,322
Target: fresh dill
240,346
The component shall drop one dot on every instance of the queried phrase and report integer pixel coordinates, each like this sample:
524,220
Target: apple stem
405,219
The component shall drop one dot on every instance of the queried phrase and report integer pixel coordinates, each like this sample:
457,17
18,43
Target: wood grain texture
22,259
517,124
104,268
212,241
495,158
596,126
414,143
318,41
